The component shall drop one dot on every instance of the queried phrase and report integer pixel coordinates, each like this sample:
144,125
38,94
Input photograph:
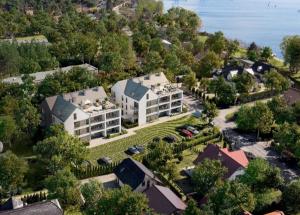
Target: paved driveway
191,102
263,150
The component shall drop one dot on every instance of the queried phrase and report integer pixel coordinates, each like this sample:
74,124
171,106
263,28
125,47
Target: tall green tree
275,81
291,197
61,150
12,172
230,198
290,48
208,63
207,174
63,185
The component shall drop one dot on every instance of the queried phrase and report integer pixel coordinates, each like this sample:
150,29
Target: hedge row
94,171
255,96
33,198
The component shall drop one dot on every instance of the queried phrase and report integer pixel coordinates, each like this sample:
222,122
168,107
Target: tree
253,52
291,196
276,81
244,83
264,118
92,193
63,186
113,201
153,62
12,172
61,150
244,119
281,111
190,80
192,208
290,48
260,175
259,118
210,110
225,92
207,174
8,129
230,198
207,64
217,43
266,53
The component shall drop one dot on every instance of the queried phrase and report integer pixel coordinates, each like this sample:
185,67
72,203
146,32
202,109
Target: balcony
177,96
151,118
97,119
152,110
112,115
113,123
98,127
176,104
164,99
164,107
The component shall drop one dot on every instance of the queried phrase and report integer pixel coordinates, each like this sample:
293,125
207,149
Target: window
87,122
143,184
122,98
75,116
147,96
126,99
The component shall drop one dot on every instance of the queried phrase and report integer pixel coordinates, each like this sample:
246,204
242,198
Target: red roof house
234,161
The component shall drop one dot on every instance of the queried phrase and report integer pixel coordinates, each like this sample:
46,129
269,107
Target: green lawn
116,149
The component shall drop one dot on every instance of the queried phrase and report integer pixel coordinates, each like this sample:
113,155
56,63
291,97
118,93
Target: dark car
133,151
170,139
104,161
141,149
186,133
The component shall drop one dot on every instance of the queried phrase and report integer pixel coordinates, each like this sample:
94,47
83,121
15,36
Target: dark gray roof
132,172
41,208
163,201
135,90
11,203
62,109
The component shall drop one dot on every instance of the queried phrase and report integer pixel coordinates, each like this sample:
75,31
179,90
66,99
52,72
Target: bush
255,96
93,171
128,124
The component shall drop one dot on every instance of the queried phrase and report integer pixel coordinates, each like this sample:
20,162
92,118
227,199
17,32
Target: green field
116,149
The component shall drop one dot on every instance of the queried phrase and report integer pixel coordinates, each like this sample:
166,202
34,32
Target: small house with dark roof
164,201
134,174
234,161
260,67
41,208
87,113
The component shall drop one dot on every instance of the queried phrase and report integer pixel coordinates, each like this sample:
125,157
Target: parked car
141,149
133,151
192,129
170,139
186,133
104,161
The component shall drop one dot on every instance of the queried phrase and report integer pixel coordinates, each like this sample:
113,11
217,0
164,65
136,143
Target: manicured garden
116,149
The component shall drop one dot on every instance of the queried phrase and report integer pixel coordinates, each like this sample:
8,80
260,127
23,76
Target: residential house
292,96
234,161
46,208
163,201
40,76
146,98
87,114
134,174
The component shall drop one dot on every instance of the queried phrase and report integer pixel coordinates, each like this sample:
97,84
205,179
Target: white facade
147,98
87,113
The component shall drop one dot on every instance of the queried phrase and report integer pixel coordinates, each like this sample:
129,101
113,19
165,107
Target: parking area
263,150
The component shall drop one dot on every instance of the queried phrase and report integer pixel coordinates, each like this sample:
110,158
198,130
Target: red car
186,133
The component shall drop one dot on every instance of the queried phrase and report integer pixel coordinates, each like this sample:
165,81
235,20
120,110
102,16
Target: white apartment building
87,114
146,98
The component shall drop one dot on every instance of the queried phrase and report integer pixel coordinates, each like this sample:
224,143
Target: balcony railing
176,104
152,103
164,99
113,123
112,115
177,96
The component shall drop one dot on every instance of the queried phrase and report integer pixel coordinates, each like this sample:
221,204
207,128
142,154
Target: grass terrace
116,149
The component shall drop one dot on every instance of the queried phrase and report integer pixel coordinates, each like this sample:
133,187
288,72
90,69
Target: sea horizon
264,22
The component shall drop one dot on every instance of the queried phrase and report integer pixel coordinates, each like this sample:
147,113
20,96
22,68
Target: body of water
265,22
